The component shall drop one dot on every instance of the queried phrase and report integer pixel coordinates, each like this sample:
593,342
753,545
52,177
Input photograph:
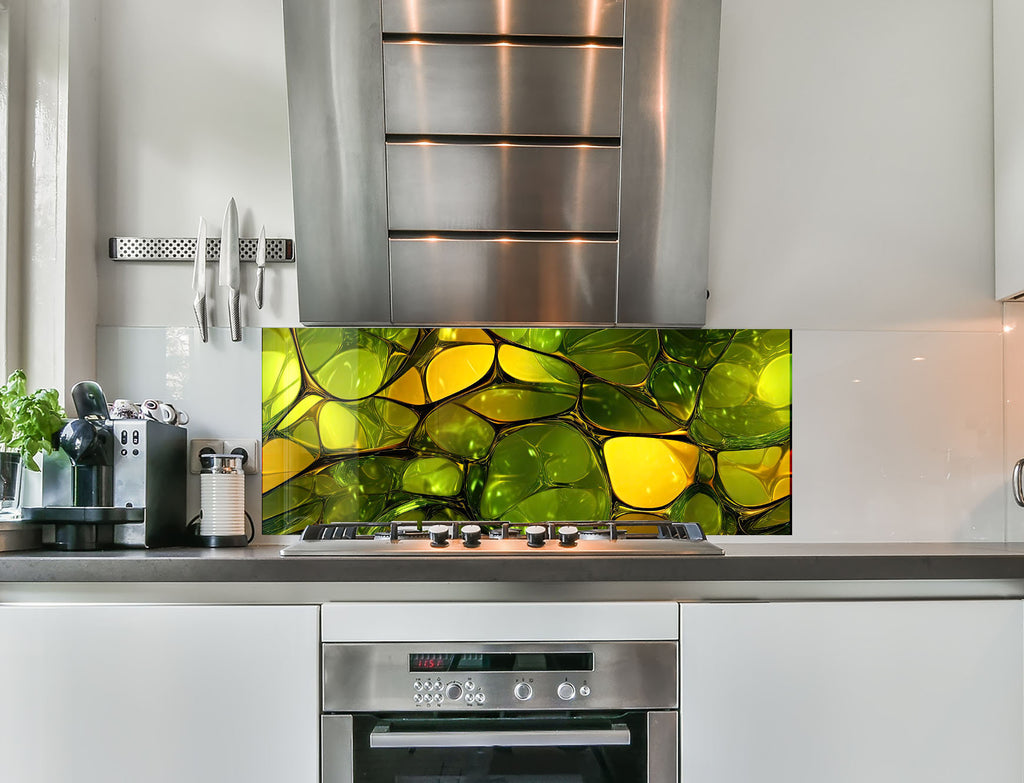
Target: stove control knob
568,535
471,535
566,691
535,535
453,691
522,691
438,535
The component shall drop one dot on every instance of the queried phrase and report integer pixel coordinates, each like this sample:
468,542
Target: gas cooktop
467,539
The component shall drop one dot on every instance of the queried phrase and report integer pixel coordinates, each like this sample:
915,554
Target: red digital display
430,662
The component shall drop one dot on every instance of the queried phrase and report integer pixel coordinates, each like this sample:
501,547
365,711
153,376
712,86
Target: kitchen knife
199,281
261,262
229,276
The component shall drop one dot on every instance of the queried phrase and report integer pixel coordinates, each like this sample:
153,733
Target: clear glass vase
11,469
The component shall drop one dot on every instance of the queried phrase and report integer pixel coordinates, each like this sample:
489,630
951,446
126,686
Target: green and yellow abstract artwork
527,425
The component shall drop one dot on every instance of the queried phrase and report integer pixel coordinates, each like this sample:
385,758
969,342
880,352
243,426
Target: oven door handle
382,737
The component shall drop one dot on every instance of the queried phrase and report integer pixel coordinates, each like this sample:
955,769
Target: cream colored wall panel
853,166
1013,395
216,383
897,436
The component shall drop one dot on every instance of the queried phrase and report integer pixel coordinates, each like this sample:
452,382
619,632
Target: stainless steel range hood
502,161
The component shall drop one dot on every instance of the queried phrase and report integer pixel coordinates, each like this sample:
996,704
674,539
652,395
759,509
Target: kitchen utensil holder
279,251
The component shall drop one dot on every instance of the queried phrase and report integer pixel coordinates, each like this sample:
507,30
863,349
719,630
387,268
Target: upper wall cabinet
1008,107
503,162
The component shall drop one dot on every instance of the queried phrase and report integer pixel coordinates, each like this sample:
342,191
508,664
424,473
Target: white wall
852,203
194,112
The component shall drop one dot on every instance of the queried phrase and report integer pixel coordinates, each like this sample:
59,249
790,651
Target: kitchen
852,203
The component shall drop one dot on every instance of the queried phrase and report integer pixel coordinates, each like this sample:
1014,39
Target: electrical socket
197,446
249,448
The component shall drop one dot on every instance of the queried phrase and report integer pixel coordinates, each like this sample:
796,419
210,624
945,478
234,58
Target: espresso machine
112,483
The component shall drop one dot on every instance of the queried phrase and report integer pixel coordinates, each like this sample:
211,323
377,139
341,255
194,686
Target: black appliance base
219,541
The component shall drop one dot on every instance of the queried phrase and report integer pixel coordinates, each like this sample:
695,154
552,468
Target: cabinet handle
1018,488
383,737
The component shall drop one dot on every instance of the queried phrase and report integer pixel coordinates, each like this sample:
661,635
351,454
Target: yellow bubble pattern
527,425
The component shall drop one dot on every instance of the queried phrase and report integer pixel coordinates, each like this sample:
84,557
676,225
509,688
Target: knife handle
258,293
234,317
199,306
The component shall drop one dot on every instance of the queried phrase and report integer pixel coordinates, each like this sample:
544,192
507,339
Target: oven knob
535,535
471,535
417,685
438,535
453,692
479,698
522,691
417,699
584,690
470,685
566,691
568,535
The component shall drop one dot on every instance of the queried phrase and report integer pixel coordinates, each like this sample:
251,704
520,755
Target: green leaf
28,422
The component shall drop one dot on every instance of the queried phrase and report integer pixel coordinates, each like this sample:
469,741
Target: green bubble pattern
373,425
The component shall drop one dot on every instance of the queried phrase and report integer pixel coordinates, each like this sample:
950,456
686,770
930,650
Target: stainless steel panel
336,120
669,92
502,89
150,472
502,187
598,18
662,747
493,281
375,677
336,749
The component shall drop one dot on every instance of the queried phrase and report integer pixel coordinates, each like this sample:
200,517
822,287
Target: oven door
630,747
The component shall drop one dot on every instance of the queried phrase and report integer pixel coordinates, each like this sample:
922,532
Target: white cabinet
852,692
159,694
1008,134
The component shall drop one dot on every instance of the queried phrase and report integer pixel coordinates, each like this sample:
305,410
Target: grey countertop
967,569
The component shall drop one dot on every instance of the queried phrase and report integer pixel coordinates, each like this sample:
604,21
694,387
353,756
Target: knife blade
261,262
229,275
199,282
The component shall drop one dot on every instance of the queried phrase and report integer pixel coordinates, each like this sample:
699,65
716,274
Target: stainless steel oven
519,712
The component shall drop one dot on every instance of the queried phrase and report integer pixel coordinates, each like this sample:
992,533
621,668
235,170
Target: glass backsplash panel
527,425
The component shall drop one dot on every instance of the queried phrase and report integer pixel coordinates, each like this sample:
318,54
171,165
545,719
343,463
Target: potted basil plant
28,423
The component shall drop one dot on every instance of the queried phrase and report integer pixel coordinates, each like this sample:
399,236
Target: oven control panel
528,692
479,677
439,692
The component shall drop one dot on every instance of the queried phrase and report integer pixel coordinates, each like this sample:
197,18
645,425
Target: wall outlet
249,449
199,446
